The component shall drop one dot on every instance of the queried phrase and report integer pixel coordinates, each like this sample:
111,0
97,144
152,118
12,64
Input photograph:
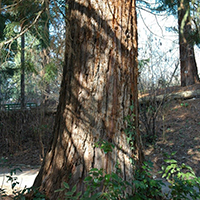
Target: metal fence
17,106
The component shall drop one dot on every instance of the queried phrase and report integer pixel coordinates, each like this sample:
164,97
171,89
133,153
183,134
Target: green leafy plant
184,104
130,128
13,180
113,186
145,186
105,146
102,186
99,186
184,184
20,194
69,194
35,194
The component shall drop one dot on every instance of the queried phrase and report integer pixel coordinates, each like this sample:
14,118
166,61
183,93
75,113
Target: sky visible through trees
157,44
157,41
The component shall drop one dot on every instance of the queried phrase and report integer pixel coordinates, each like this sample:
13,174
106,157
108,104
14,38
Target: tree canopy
37,18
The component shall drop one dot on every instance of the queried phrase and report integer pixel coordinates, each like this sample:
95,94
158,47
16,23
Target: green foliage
2,192
105,146
11,29
35,194
130,128
113,186
142,63
2,163
13,180
99,186
30,67
191,9
18,194
21,193
70,194
50,72
166,6
184,183
145,186
102,186
37,41
184,104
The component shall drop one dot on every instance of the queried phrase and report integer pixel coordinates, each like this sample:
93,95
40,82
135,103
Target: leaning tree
98,87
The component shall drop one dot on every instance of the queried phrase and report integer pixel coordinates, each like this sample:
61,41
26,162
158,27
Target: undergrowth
183,183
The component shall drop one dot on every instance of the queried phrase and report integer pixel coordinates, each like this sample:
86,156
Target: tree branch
22,32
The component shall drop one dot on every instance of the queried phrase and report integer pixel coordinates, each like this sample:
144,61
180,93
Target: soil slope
177,130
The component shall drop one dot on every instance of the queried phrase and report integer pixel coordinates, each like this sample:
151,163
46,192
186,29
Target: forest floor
177,130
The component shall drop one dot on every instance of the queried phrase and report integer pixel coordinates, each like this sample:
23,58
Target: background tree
188,35
42,72
42,32
7,54
98,87
189,72
24,14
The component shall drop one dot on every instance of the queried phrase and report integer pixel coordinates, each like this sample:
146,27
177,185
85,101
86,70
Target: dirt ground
177,130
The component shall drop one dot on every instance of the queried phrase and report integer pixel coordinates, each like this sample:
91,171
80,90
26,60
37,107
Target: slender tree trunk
46,85
189,72
1,98
22,72
99,85
46,51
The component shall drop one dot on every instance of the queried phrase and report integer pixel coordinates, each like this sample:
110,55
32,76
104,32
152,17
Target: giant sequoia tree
98,87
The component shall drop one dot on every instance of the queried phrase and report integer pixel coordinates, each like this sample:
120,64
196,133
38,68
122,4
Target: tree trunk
22,72
45,43
189,72
99,85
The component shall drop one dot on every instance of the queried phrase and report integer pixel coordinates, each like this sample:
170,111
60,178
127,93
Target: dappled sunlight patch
178,106
165,143
149,151
170,130
177,129
182,116
197,139
195,153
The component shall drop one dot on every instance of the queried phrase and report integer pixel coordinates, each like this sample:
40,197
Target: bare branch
22,32
9,6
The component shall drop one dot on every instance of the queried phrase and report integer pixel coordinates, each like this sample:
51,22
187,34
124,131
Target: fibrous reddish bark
189,72
99,85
